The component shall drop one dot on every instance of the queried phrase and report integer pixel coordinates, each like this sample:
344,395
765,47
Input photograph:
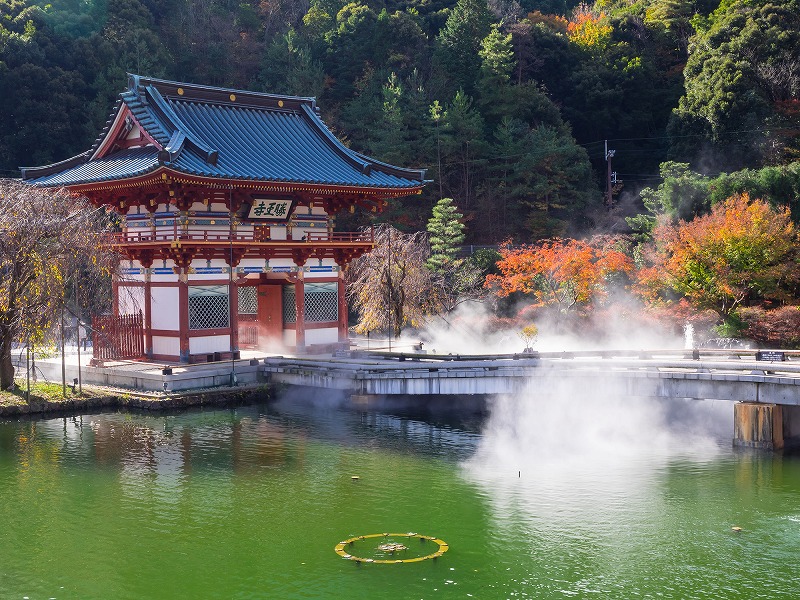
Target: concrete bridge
766,393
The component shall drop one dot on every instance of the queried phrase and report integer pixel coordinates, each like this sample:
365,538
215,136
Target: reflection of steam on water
560,454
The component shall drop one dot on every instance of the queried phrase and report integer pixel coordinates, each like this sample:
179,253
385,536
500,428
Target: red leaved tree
564,273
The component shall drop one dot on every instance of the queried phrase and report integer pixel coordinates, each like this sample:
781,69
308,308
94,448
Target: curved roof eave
29,173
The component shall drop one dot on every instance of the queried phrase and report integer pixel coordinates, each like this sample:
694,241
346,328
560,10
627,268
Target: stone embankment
127,400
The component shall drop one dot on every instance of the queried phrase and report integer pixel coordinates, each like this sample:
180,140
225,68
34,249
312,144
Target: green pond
597,497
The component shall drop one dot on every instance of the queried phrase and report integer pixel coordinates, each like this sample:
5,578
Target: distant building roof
222,134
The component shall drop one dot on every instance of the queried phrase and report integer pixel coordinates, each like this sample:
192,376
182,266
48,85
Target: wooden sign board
269,209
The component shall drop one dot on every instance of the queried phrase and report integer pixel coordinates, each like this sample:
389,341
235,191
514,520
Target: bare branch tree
391,287
46,235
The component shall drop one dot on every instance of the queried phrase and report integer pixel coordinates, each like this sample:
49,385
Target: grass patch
46,392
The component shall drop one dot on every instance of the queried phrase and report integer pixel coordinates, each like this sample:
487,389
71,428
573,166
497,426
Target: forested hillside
506,103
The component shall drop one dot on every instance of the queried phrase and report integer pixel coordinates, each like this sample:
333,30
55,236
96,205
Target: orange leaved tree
565,273
740,254
589,28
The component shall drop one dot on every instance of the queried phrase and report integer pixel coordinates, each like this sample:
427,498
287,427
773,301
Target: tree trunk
6,367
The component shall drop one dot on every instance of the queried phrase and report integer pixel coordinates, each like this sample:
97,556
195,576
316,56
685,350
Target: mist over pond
544,496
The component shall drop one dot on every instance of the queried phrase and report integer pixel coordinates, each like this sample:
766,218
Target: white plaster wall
277,232
131,300
329,335
289,337
134,133
164,311
198,278
168,346
281,262
251,262
209,343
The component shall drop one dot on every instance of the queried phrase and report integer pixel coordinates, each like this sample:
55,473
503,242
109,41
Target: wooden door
270,313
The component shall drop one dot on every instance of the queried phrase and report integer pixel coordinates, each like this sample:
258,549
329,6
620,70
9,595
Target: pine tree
459,42
446,235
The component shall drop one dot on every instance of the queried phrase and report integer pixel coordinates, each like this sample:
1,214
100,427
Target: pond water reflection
250,502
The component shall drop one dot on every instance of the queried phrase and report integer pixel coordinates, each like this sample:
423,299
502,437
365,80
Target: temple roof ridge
217,95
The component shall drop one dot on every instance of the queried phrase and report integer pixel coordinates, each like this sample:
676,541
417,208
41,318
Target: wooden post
300,320
148,314
183,316
342,299
233,295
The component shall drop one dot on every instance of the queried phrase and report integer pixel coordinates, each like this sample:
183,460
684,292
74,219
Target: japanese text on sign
270,209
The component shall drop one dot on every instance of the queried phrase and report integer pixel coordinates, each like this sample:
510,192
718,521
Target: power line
695,135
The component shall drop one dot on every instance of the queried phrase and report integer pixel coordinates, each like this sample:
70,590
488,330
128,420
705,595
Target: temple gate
227,201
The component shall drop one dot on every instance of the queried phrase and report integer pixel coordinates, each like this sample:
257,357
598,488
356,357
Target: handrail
422,362
145,237
694,354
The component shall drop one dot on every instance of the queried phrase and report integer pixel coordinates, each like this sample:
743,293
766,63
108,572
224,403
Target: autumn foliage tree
45,236
589,28
565,273
742,253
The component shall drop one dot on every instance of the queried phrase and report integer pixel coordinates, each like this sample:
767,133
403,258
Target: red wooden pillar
233,300
148,314
115,297
342,299
183,316
300,320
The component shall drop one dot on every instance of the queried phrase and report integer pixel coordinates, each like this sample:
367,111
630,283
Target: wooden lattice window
321,302
248,300
289,306
209,307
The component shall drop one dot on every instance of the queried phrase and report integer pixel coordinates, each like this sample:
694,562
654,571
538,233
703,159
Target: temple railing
255,236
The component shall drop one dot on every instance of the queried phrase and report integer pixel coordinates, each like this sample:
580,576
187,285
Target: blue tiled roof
119,165
227,134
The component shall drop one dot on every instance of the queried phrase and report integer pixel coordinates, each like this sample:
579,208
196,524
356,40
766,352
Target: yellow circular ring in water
340,548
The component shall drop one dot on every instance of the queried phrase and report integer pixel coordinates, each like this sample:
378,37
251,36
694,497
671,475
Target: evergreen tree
456,279
446,234
288,68
459,42
741,84
463,143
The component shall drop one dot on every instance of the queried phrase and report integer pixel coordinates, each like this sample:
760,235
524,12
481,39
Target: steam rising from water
472,329
559,454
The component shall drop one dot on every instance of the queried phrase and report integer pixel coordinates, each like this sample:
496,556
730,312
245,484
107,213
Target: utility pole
78,331
231,299
609,156
391,293
63,358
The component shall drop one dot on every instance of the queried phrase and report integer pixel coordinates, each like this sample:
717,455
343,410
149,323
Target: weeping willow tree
391,287
46,236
